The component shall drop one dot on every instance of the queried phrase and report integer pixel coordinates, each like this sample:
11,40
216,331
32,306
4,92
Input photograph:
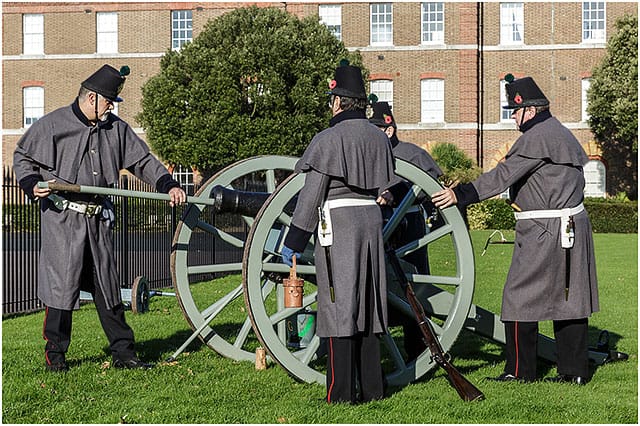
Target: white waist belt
567,233
548,214
348,202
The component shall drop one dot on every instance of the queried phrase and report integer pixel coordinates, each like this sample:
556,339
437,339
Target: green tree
455,164
253,82
613,106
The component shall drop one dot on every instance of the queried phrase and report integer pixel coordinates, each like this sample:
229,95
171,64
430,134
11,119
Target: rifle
464,387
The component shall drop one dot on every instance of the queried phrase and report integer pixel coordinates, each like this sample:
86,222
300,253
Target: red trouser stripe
332,369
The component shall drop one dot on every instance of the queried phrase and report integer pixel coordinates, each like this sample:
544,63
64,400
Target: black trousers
354,362
572,348
57,324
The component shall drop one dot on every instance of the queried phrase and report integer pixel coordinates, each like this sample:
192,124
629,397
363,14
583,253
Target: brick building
440,64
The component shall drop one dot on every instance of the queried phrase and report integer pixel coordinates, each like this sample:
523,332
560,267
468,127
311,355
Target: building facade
440,64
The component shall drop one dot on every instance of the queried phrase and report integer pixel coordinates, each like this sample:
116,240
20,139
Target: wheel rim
447,298
227,329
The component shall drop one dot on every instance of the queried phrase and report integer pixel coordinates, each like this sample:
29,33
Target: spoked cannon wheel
216,312
446,292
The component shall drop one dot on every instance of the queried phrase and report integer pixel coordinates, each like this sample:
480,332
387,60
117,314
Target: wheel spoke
215,308
224,236
222,267
394,352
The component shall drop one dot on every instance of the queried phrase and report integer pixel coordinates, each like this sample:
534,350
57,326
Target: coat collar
346,115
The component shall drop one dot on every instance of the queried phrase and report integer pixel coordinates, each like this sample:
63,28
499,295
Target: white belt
86,209
548,214
348,202
567,232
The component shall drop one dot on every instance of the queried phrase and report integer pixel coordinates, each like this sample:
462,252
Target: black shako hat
523,92
348,82
107,81
381,116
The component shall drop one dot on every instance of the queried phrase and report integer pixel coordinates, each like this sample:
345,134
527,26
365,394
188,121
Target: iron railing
143,235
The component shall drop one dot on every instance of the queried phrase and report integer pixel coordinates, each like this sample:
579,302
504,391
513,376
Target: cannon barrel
246,203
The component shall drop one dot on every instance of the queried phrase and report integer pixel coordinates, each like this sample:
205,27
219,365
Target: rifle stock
464,387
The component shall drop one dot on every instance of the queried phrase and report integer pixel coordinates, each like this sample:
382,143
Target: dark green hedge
607,215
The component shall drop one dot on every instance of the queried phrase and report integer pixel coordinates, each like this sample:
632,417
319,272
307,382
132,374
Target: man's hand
178,197
444,198
42,192
386,198
287,255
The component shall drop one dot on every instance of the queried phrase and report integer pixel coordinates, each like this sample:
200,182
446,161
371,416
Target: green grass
203,387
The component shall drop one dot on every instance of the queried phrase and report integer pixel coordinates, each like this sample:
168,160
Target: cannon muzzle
243,202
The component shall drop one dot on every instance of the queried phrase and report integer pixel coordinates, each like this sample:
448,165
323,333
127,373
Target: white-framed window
595,177
184,176
511,23
181,28
505,113
432,100
432,23
33,34
586,83
331,17
593,22
383,89
381,24
32,104
107,32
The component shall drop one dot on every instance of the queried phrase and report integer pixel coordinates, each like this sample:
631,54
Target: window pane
181,28
432,100
33,34
107,32
184,175
505,114
383,89
593,22
586,83
595,179
511,23
433,23
33,104
331,16
381,23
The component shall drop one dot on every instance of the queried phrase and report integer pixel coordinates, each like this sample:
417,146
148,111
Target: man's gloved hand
287,255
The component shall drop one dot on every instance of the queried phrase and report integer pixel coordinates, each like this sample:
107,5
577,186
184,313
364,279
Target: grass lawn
204,387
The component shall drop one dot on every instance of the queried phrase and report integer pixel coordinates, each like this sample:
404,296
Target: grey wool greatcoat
63,146
351,159
544,172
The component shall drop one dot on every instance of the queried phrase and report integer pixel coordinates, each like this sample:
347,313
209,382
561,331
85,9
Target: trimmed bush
607,215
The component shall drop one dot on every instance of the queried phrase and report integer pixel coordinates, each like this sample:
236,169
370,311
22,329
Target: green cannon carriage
240,314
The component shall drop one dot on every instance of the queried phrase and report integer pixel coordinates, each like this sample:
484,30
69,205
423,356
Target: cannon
235,316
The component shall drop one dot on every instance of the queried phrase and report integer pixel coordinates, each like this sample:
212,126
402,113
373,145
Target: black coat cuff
166,183
297,238
28,182
466,194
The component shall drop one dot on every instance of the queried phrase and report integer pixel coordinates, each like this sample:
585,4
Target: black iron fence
143,235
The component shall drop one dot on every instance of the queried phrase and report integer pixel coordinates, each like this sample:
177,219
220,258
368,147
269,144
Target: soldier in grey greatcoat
84,144
345,166
414,224
553,269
